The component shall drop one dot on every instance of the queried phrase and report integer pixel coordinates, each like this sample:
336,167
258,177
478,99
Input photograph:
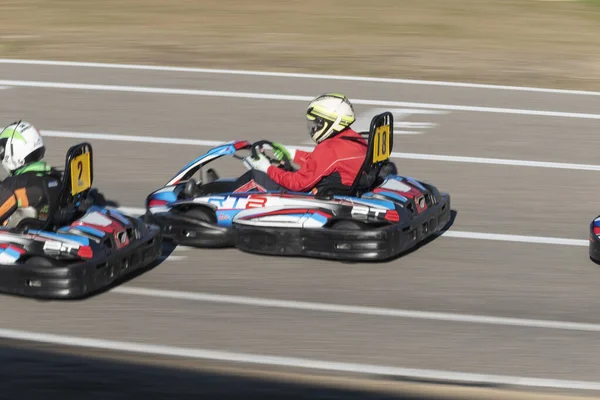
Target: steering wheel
287,163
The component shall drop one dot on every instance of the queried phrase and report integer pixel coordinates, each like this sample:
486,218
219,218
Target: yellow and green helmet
327,115
20,144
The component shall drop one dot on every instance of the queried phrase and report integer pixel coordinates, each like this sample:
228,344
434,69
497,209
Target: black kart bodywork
594,246
80,248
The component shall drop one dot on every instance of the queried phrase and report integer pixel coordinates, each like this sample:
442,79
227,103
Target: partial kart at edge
76,260
382,216
80,248
594,246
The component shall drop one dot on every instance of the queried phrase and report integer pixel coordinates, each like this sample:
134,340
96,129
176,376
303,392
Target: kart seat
73,198
376,165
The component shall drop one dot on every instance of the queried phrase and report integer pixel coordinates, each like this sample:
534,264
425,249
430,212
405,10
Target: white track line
497,161
296,76
516,238
397,132
130,138
293,362
356,310
137,211
408,156
285,97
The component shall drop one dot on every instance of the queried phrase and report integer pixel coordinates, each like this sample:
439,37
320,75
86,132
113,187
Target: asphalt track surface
476,304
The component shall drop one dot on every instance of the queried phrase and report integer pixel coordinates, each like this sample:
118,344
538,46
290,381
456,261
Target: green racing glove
280,152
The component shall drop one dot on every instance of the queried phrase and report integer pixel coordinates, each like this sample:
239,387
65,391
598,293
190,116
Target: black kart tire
201,214
43,262
348,225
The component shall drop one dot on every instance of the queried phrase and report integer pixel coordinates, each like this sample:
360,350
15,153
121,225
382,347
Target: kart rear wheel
43,262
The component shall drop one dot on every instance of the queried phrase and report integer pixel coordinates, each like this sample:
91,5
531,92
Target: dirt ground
519,42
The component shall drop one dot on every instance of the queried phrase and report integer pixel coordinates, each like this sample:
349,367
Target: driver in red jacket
337,158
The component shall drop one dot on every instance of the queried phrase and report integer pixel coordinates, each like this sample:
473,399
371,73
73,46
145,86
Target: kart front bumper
84,278
376,244
594,246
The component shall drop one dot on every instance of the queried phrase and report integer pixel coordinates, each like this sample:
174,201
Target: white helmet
20,144
328,115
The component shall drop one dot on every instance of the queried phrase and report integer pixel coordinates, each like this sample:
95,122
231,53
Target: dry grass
550,43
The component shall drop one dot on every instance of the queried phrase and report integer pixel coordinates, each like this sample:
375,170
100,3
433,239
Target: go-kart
379,217
77,247
594,247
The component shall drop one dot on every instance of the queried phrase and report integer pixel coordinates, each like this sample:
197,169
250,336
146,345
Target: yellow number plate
80,174
381,145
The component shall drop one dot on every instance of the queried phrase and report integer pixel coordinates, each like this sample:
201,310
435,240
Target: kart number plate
80,174
381,144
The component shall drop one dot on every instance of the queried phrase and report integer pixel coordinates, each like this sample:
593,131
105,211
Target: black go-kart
381,216
80,247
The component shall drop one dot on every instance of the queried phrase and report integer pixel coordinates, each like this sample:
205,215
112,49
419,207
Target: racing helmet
20,144
328,115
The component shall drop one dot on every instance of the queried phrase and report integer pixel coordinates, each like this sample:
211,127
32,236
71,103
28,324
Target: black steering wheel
287,163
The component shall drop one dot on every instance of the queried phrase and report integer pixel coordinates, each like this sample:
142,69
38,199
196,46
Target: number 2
80,169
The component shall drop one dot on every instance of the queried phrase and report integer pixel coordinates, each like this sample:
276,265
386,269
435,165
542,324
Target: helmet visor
314,125
3,142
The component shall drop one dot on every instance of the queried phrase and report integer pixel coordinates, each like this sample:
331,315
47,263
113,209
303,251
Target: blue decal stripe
13,253
90,230
222,150
57,236
94,208
393,196
190,164
167,196
117,214
319,218
414,182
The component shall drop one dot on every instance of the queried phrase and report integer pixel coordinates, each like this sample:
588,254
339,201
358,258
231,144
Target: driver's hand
280,152
260,164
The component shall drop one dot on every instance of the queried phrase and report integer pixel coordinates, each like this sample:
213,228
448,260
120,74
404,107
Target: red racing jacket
336,155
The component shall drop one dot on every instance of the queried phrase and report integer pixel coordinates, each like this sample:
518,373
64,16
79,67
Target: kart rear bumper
80,279
349,245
